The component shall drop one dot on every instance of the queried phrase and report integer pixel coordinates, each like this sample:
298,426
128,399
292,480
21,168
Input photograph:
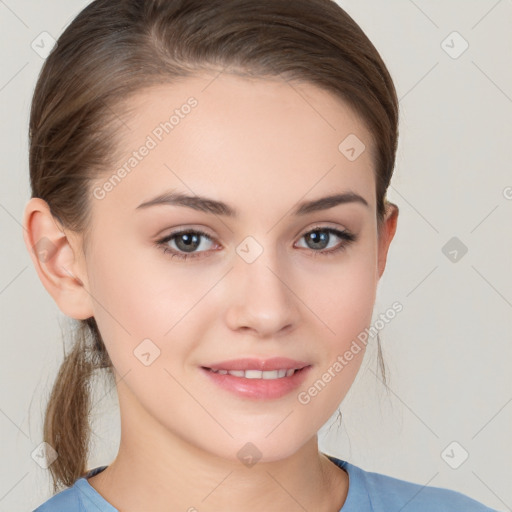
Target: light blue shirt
367,492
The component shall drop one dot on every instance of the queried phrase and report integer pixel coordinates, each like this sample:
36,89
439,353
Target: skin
261,146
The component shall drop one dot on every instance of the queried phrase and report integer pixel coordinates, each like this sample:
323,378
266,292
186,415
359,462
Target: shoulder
81,497
382,493
64,501
387,492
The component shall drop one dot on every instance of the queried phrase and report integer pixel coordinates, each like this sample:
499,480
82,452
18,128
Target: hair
114,49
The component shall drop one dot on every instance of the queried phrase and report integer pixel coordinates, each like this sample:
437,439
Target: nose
261,296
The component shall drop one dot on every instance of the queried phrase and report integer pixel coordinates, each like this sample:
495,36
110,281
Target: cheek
349,301
126,305
344,310
343,305
131,290
140,296
342,294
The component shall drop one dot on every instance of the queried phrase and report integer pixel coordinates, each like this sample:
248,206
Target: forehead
241,140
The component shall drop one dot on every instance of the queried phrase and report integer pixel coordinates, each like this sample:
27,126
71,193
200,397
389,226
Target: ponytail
66,424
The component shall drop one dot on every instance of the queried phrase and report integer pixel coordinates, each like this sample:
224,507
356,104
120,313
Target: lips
274,363
255,383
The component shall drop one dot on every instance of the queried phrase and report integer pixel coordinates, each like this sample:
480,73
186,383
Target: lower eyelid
176,234
345,237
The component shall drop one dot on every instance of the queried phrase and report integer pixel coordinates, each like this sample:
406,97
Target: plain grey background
448,353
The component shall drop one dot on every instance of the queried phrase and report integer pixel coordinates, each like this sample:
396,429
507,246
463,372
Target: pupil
190,241
321,239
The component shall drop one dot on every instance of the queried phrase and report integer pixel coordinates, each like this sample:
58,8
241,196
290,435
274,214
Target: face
261,280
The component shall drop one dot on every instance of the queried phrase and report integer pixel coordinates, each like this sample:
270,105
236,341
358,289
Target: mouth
257,384
259,374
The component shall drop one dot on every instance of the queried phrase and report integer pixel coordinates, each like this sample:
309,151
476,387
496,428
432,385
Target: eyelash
344,235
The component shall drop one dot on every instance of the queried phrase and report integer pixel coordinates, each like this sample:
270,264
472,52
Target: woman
209,203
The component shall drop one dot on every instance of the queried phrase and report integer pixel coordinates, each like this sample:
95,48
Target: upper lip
274,363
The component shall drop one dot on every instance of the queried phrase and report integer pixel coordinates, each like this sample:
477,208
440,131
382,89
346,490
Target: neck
162,472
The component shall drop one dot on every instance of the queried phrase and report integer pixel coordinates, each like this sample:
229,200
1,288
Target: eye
188,241
319,238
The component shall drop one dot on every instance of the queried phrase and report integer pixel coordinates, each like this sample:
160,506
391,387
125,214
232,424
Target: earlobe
387,233
56,259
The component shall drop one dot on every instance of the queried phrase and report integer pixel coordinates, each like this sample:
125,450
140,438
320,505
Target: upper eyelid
213,239
204,231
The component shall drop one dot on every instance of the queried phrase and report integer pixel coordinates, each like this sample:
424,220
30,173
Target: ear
57,258
386,234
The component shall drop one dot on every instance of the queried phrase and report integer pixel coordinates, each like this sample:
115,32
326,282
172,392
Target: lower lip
262,389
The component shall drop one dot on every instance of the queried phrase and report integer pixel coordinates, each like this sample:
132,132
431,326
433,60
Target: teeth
257,374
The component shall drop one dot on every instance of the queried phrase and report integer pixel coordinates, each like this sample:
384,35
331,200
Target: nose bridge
260,263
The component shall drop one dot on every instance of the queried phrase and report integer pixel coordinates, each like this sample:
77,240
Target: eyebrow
205,204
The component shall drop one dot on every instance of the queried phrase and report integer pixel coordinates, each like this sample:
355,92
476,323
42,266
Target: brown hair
113,49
